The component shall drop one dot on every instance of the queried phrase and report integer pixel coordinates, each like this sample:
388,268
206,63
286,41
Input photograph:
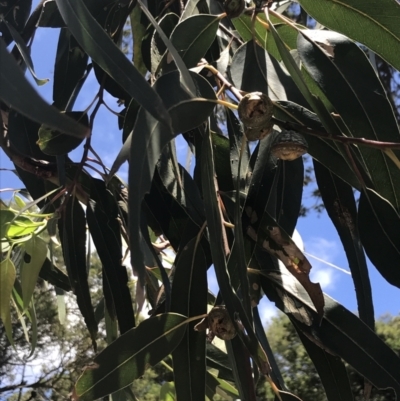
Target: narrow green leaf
345,75
186,78
100,47
193,36
339,202
6,216
340,332
17,92
189,297
359,20
130,355
7,278
70,66
102,217
25,53
54,276
72,228
23,227
379,223
149,138
35,255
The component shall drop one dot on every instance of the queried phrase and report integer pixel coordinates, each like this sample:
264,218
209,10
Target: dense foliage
220,75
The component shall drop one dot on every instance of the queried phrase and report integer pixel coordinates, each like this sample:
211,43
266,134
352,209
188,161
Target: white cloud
327,251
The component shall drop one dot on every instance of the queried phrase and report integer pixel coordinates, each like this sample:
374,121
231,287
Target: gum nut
234,8
255,110
289,145
221,324
255,134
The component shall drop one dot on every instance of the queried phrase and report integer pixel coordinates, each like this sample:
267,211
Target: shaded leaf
339,202
6,216
167,391
55,143
102,217
193,36
7,278
72,228
35,255
130,355
25,53
347,78
189,297
150,137
378,223
54,276
331,370
17,92
356,18
100,47
16,14
70,66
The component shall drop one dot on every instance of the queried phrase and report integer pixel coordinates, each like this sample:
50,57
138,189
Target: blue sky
317,232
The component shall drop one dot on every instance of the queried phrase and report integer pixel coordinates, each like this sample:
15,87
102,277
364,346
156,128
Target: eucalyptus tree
222,75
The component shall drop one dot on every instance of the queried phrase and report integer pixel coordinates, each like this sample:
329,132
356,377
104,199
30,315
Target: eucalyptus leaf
130,355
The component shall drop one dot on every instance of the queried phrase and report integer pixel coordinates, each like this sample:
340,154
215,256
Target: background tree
221,75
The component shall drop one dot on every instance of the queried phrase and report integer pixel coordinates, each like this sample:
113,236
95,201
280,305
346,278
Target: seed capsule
289,145
234,8
255,110
219,324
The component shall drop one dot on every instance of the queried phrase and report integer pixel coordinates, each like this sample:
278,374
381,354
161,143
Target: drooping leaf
378,224
193,36
339,202
253,70
16,15
359,20
72,228
130,355
149,138
70,66
340,332
55,276
189,297
23,226
7,278
55,143
102,217
157,45
347,78
15,90
35,255
25,53
331,371
100,47
6,216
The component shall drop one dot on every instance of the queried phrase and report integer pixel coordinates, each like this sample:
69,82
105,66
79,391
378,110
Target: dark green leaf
379,223
339,202
253,70
360,20
72,228
70,66
17,92
219,360
100,47
54,276
157,45
55,143
25,53
16,15
340,332
189,297
318,148
331,370
130,355
102,217
150,137
193,36
345,75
